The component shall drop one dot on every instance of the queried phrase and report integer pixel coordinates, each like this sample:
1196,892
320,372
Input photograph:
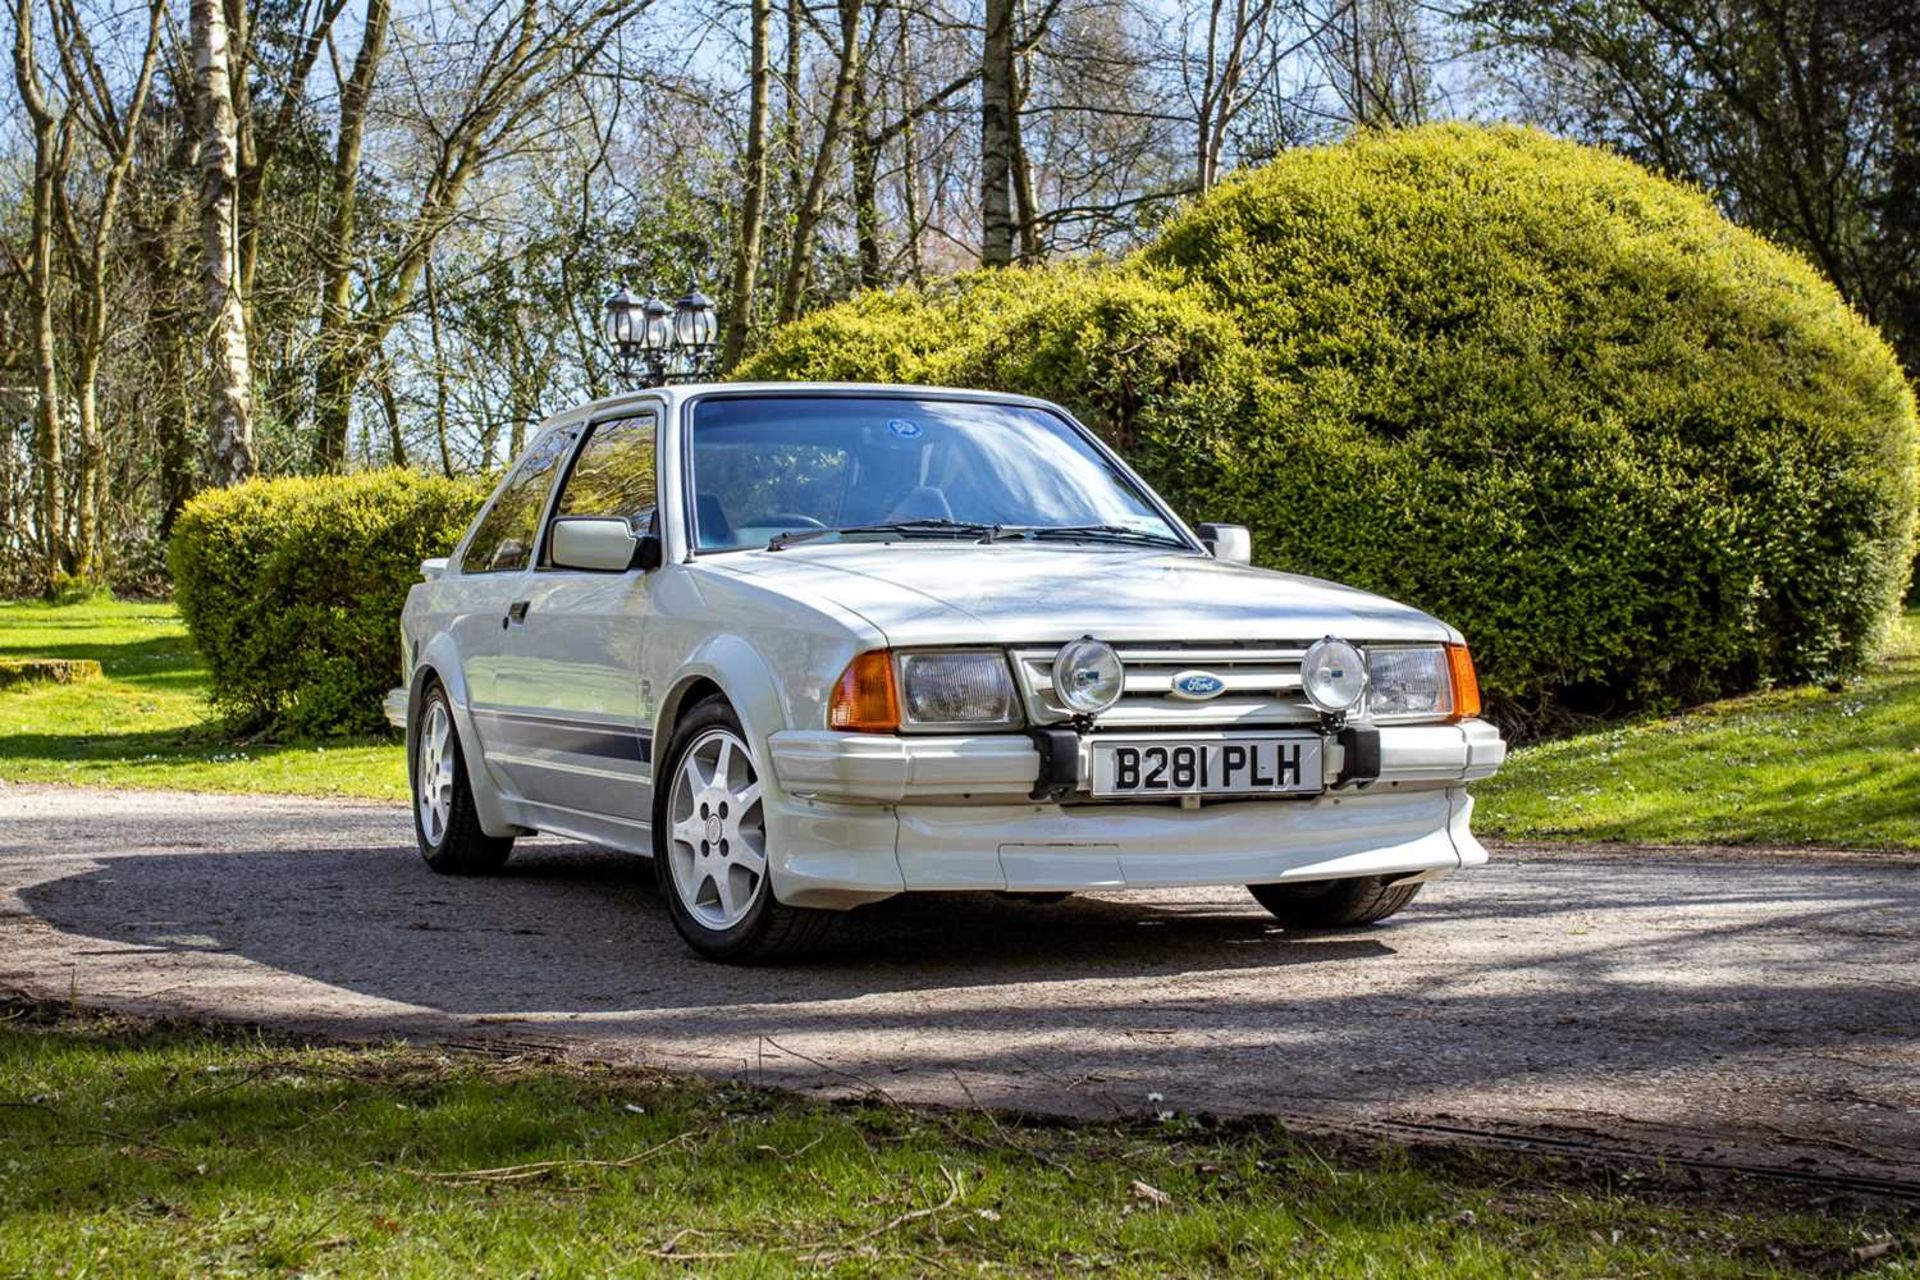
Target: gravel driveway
1747,1009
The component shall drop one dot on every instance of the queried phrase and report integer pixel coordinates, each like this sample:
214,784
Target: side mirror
1229,542
605,544
647,552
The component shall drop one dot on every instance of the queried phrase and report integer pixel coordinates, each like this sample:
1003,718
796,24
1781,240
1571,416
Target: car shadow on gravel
568,928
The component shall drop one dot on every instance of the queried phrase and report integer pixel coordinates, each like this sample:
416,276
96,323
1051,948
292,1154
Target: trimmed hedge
292,590
1637,454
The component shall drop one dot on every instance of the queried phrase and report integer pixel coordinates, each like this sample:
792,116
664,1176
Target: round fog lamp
1088,676
1333,675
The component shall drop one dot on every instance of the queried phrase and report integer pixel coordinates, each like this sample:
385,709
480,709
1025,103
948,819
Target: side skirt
626,835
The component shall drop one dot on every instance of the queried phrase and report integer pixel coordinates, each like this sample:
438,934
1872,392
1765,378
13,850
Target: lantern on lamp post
654,344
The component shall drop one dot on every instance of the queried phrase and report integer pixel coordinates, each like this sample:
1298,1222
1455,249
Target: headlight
1088,677
1333,675
957,690
1409,682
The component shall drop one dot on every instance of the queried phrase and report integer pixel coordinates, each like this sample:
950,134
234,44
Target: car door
489,580
571,678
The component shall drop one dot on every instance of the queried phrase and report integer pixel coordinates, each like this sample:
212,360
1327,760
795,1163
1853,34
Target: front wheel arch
725,666
685,695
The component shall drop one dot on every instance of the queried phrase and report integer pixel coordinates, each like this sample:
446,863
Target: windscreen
765,466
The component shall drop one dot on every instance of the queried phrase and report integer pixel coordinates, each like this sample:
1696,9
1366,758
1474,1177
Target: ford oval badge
1198,686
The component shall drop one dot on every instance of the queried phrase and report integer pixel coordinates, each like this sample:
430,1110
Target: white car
810,646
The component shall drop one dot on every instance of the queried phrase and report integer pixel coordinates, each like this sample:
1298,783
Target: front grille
1262,686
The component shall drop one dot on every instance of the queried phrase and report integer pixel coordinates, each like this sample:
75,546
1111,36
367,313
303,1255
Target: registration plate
1236,764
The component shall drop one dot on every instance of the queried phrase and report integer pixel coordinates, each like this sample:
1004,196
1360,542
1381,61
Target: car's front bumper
394,705
860,817
890,769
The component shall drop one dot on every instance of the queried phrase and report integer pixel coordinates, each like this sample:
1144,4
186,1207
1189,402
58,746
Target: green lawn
145,724
140,1151
1790,766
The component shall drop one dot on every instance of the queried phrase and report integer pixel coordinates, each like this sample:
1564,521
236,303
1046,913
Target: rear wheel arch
437,664
450,829
423,680
442,671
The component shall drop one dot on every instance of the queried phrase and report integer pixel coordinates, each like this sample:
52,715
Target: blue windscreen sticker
904,429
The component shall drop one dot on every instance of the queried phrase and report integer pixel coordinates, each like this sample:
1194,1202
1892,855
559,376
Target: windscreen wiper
933,526
1083,533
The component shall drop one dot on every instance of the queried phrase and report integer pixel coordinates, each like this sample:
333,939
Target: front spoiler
843,855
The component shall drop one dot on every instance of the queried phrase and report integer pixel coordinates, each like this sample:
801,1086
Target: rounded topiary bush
292,590
1636,453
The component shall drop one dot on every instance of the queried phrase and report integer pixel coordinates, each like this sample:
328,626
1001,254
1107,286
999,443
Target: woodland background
303,236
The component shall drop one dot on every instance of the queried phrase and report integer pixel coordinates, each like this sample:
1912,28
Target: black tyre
444,819
710,847
1334,904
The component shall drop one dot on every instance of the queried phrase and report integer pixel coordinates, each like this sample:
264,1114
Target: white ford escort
810,646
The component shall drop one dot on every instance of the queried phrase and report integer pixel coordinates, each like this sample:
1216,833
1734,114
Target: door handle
517,611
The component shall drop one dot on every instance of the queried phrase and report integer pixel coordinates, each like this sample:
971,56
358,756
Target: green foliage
1638,455
292,590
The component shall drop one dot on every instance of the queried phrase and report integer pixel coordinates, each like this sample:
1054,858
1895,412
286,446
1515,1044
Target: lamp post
654,344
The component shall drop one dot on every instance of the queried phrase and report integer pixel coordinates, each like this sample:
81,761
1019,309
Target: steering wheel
791,519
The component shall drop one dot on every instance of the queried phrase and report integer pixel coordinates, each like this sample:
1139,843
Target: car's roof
690,390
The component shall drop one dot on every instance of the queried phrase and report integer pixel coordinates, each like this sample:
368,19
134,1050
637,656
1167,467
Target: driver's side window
613,475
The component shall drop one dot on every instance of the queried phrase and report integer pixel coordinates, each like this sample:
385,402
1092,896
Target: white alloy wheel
434,777
717,850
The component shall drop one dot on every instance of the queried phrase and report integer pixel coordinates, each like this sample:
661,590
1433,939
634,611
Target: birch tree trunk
753,210
230,388
996,137
47,159
87,506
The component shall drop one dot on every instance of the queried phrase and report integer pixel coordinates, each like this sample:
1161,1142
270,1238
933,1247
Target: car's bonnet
924,593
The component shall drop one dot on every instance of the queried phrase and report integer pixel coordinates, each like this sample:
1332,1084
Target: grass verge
135,1149
1790,766
146,722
